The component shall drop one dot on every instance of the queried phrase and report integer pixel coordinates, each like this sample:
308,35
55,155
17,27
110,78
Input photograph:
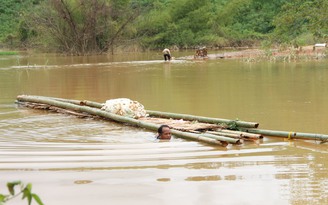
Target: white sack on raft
125,107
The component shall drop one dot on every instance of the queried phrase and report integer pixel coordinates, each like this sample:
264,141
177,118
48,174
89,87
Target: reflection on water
92,161
204,178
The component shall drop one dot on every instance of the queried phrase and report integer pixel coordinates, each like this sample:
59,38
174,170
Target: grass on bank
8,53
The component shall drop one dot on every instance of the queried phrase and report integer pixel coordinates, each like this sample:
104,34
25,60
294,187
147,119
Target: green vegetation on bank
8,53
81,27
12,15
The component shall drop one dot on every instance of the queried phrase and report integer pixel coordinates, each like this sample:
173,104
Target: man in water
164,132
167,54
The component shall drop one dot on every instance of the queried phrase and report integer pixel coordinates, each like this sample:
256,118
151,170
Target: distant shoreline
287,54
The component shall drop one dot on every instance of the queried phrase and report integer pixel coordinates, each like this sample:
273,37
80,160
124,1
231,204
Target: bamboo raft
204,129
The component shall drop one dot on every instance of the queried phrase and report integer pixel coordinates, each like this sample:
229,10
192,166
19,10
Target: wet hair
160,129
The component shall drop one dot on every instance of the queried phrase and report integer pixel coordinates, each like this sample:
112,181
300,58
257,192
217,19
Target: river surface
82,161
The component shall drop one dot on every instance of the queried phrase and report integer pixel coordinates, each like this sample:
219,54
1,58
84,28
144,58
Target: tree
183,23
299,17
81,27
247,21
11,13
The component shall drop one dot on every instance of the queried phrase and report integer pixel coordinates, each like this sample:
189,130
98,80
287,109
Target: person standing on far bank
167,54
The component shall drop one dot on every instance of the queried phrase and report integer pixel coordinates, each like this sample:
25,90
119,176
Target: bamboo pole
118,118
167,114
289,135
222,138
248,130
242,134
202,119
197,137
218,136
75,102
232,135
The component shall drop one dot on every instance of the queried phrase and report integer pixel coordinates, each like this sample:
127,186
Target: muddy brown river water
70,160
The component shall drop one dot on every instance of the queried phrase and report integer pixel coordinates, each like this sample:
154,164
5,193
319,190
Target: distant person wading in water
164,132
167,54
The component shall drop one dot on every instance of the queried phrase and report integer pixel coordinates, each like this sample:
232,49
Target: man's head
164,132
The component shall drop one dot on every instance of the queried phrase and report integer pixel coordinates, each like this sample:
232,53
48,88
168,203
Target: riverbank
305,52
245,54
274,54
